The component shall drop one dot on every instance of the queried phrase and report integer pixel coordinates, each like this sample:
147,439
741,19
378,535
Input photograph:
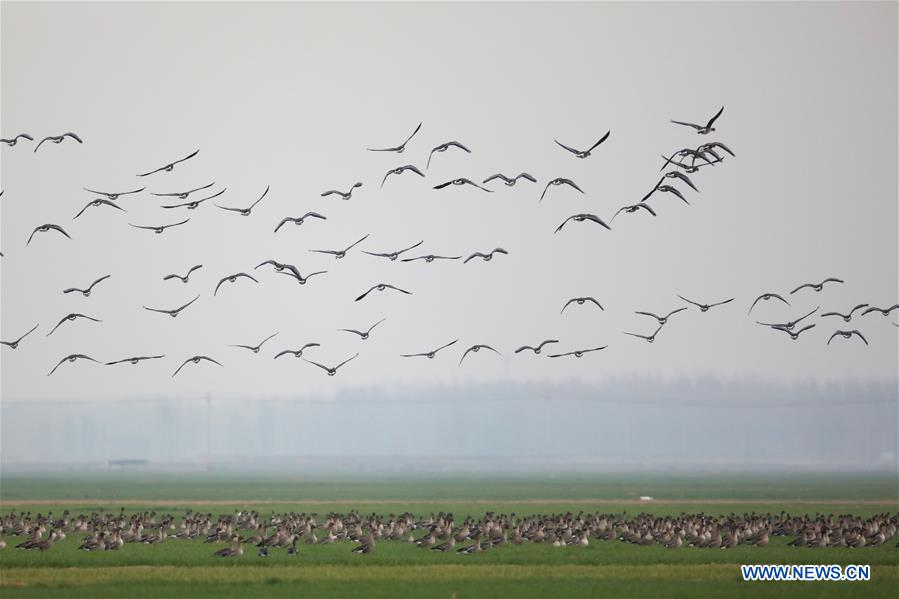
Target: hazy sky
290,95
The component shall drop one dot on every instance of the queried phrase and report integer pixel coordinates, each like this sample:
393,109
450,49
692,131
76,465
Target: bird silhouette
135,360
14,140
706,307
248,210
475,349
702,129
392,256
817,286
329,369
344,195
632,209
299,220
400,148
584,153
765,297
400,170
293,271
297,353
510,182
381,287
847,335
186,277
113,195
195,360
443,148
883,311
647,338
44,228
794,334
232,279
580,302
339,254
536,348
183,195
486,257
559,181
579,218
462,181
174,312
789,325
72,358
58,139
86,292
98,202
193,204
661,319
363,334
430,354
159,229
71,317
255,348
578,353
170,166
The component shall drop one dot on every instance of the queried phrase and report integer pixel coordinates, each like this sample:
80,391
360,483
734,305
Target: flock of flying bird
677,167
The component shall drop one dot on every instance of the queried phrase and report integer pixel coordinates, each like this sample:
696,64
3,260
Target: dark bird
475,349
444,148
44,228
584,153
510,182
182,195
299,220
343,195
579,218
632,209
536,348
170,166
818,286
15,344
255,348
186,277
233,278
578,353
400,170
665,189
884,311
277,265
688,168
246,211
661,319
135,359
580,302
765,297
702,129
98,202
393,255
381,287
338,254
706,307
86,292
293,271
847,335
681,176
486,257
13,141
175,312
331,370
113,195
71,317
194,360
560,181
192,205
845,317
297,353
462,181
57,139
429,354
710,148
72,358
794,334
430,258
159,228
398,149
647,338
363,334
789,325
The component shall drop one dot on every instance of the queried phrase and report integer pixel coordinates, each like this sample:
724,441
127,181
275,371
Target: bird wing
689,301
366,293
755,302
727,301
398,289
597,220
595,302
564,222
572,184
682,177
832,280
71,289
445,346
602,139
524,347
219,285
73,136
325,368
466,353
526,176
572,150
653,190
544,191
803,286
651,314
574,299
372,327
858,307
58,365
687,124
58,323
103,278
261,343
36,149
714,118
408,139
677,193
183,364
264,193
345,361
676,311
187,157
286,351
496,176
862,337
354,244
360,333
475,255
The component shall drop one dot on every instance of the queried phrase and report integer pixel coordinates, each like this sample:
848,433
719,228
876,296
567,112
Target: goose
367,545
647,338
580,302
98,202
381,287
193,204
678,175
430,258
400,148
236,549
710,148
429,354
331,370
293,271
883,311
15,344
846,317
632,209
578,352
400,170
794,335
135,360
248,210
485,257
186,277
72,358
706,307
688,168
510,182
579,218
661,319
58,139
536,348
559,181
183,195
584,153
297,353
194,360
443,148
255,348
462,181
363,334
170,166
175,312
847,335
702,129
299,220
14,140
44,228
339,254
113,196
232,279
765,297
86,292
392,256
476,348
70,317
665,189
788,325
818,286
158,229
344,195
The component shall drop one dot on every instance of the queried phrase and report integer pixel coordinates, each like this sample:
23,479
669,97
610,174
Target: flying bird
845,317
135,360
381,287
429,354
684,153
15,344
400,170
57,139
297,353
338,254
788,325
175,312
443,148
794,334
485,257
170,166
392,256
44,228
299,220
98,202
255,348
277,265
578,353
710,148
847,335
510,182
765,297
706,307
158,229
884,311
14,140
363,334
194,360
186,277
647,338
246,211
232,279
113,195
331,370
580,302
462,181
579,218
72,358
818,286
182,195
192,205
398,149
681,176
661,319
632,209
344,195
70,317
293,271
702,129
559,181
536,348
584,153
430,258
86,292
665,189
475,349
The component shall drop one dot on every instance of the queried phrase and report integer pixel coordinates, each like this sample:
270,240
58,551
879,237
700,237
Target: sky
289,96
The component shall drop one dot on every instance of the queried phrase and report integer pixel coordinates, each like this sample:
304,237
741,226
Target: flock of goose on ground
677,167
441,532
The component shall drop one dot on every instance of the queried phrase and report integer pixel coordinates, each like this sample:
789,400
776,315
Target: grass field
179,568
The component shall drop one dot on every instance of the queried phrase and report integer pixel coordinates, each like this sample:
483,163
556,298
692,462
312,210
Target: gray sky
290,95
